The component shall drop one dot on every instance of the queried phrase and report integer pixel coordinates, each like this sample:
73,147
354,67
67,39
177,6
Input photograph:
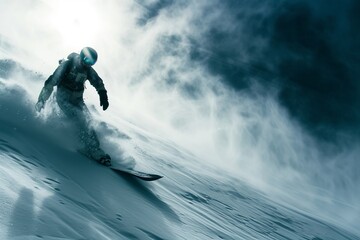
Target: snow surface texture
49,191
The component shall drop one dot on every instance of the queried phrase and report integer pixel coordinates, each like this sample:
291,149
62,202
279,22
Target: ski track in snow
49,191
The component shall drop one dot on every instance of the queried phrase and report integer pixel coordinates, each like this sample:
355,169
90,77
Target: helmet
88,56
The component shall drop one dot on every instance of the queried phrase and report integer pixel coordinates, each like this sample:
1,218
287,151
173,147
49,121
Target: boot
105,160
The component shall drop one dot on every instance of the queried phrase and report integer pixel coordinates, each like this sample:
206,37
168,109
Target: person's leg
80,116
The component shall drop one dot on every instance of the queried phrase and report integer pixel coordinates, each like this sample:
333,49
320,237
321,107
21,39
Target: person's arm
52,81
98,83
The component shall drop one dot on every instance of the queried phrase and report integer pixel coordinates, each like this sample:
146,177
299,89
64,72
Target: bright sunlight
77,22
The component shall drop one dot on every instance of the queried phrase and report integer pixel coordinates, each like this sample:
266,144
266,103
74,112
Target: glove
103,99
39,105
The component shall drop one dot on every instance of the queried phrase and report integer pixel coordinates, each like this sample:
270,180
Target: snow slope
49,191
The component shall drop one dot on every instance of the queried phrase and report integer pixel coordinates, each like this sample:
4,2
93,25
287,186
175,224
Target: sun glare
77,22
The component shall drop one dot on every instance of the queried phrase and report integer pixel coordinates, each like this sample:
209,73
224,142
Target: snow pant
73,106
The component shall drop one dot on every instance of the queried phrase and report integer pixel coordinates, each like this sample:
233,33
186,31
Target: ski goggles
88,61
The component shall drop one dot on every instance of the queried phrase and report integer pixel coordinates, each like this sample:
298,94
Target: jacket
71,75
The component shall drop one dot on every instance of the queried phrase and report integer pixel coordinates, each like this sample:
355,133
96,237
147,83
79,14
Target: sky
266,89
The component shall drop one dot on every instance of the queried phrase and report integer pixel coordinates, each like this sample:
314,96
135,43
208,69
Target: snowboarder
70,77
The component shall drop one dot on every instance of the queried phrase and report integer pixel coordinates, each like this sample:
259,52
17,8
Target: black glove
103,99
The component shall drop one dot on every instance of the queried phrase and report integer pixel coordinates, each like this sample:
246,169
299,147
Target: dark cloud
308,49
318,87
152,10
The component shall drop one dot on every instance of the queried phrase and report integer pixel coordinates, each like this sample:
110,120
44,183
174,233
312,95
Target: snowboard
141,175
122,170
